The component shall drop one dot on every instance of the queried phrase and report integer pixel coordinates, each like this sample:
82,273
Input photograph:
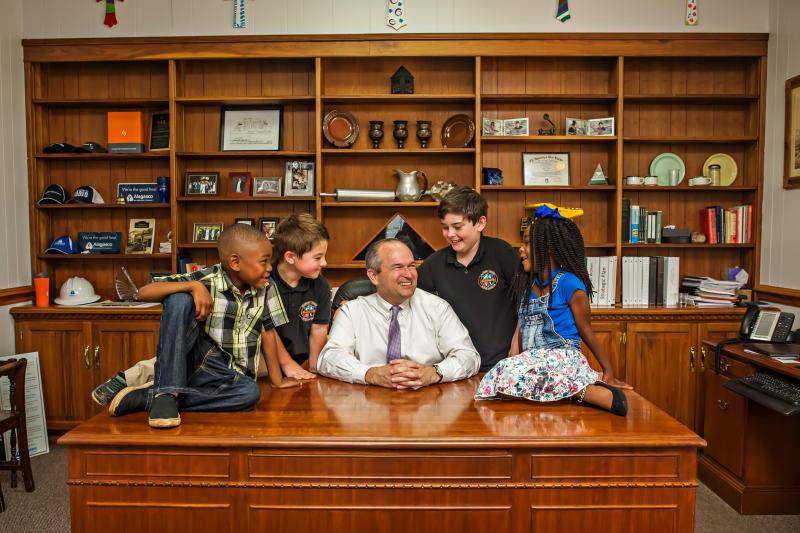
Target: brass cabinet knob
724,365
97,356
86,356
702,358
692,356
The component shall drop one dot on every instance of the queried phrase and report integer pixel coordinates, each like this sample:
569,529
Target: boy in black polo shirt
300,246
474,275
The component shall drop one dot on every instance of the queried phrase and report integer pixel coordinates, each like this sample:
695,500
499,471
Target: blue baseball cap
62,245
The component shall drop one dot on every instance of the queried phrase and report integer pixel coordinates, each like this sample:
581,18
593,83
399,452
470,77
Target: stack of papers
710,292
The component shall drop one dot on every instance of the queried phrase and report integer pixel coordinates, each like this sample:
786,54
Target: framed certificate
545,169
250,128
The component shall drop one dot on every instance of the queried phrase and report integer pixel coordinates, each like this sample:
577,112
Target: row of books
724,226
650,281
709,292
603,275
640,225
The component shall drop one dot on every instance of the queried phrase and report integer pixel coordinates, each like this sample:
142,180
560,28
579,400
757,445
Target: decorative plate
728,169
458,131
661,165
340,128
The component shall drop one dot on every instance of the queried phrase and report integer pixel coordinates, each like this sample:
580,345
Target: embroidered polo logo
308,310
487,280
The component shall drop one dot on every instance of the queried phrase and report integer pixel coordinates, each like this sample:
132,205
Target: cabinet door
118,344
711,331
609,334
724,422
661,359
65,359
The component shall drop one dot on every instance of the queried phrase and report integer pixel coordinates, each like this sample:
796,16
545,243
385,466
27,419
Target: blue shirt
559,310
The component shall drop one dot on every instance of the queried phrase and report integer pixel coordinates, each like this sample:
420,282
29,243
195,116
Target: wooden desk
752,457
338,457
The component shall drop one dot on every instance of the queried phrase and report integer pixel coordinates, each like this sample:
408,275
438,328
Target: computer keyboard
777,387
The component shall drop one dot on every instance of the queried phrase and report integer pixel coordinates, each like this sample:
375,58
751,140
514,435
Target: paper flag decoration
562,13
396,14
239,19
691,13
111,13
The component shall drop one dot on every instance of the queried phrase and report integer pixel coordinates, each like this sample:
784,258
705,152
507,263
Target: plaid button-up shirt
237,318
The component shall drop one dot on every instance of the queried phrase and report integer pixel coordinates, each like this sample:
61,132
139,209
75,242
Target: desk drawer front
157,465
380,465
604,466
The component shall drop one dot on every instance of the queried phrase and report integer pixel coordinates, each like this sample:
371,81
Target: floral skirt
543,375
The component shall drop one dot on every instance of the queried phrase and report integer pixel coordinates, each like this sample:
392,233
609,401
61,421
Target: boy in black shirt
474,274
300,246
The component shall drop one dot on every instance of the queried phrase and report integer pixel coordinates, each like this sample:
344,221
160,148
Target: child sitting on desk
554,316
214,325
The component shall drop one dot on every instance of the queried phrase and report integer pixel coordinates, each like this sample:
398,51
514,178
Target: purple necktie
393,349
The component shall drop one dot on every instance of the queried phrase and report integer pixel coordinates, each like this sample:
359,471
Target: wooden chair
14,420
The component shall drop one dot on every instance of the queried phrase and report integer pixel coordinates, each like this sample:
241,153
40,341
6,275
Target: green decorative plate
663,163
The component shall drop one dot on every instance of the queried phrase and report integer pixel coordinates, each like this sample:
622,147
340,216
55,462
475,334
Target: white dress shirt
430,332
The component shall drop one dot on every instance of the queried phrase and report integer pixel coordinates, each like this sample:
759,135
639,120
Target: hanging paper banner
396,14
691,13
562,13
239,18
110,19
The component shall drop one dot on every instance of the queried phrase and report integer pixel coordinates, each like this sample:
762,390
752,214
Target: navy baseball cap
62,245
59,148
54,194
86,194
90,147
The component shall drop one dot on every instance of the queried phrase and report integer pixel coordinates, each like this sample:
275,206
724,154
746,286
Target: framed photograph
141,234
268,226
198,183
577,126
248,221
791,176
299,180
239,183
492,127
601,127
267,186
515,126
206,232
250,128
548,169
159,131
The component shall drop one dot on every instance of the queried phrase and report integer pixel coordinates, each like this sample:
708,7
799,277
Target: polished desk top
737,351
325,413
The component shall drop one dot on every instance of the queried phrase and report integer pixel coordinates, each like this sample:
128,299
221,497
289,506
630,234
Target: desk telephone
766,325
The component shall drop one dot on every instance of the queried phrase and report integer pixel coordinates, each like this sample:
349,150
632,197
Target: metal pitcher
409,190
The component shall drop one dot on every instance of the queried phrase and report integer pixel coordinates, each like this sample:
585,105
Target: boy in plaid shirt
214,325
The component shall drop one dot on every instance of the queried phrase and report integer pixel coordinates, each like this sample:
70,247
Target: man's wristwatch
438,373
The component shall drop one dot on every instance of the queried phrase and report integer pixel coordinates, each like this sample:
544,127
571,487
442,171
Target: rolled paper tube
361,195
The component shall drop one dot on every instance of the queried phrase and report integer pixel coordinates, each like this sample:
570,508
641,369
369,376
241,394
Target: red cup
41,284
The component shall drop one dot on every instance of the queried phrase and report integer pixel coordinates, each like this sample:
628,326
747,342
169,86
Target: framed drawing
299,179
250,128
791,158
545,169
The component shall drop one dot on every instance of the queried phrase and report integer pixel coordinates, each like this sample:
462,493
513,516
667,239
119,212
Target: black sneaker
164,412
130,400
104,393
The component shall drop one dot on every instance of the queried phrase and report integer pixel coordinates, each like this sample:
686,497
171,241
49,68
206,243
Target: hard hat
76,291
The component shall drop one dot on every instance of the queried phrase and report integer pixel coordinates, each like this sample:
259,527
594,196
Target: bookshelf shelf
89,157
210,198
397,98
690,98
547,98
112,207
399,205
569,188
243,100
101,102
395,151
101,257
688,140
687,245
549,139
681,188
255,154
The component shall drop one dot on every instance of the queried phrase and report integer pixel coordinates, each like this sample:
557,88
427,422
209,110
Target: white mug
651,180
699,181
634,180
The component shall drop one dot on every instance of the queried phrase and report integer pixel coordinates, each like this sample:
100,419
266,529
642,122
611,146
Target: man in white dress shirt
399,337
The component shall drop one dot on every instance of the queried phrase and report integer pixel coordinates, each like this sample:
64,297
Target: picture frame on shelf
267,186
206,232
601,127
159,131
549,169
252,128
248,221
202,183
299,179
268,225
516,127
576,126
239,183
492,127
791,157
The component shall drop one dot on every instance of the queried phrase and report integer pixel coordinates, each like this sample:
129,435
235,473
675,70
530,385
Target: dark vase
424,132
400,132
376,132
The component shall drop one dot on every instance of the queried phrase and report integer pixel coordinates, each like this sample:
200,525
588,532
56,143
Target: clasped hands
402,374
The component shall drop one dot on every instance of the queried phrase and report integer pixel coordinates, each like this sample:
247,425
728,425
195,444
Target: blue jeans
191,365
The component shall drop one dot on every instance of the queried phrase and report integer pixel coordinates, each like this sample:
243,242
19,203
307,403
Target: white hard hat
77,291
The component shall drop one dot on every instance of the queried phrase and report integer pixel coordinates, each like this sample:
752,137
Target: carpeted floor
46,510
